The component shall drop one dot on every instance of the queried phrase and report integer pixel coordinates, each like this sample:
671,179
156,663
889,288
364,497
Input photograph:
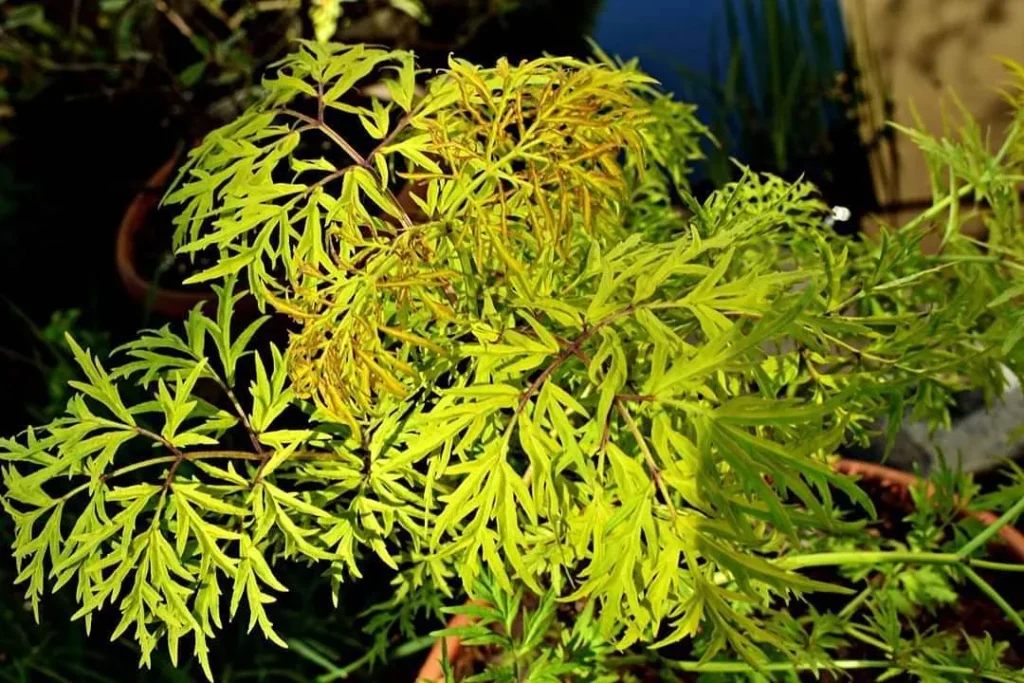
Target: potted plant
609,423
51,359
203,59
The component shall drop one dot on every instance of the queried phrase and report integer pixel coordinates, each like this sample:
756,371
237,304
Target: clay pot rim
870,471
172,303
431,671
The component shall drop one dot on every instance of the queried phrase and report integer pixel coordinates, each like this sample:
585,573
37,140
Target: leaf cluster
504,378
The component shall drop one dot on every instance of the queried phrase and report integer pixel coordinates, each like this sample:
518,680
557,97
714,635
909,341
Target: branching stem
359,160
778,667
992,529
177,458
568,352
651,464
936,210
330,133
253,435
960,561
986,588
180,457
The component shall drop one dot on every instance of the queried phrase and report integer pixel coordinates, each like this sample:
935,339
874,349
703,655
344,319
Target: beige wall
925,47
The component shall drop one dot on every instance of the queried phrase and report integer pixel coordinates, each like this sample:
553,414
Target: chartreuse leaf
252,568
178,407
270,394
159,353
99,386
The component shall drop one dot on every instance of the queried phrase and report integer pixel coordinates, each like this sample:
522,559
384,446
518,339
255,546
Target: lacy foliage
513,363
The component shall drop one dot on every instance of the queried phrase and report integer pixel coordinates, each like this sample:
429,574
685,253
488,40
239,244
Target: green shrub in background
205,56
52,358
518,371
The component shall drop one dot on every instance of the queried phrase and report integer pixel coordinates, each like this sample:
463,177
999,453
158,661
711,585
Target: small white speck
840,213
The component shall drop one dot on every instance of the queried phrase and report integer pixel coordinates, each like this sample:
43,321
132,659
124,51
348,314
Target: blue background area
668,34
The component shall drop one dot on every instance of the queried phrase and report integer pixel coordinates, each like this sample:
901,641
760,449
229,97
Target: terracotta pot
169,303
431,672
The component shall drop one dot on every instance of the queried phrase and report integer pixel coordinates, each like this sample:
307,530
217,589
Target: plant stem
992,529
176,459
1011,137
998,566
960,560
122,470
842,664
994,595
642,442
253,436
567,353
329,132
179,456
871,557
159,460
857,601
743,667
866,354
401,125
854,631
938,208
